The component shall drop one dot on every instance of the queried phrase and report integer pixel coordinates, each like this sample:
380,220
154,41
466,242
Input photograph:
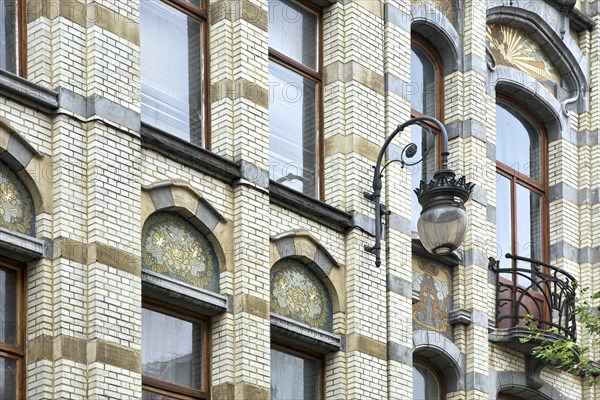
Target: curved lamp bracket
443,190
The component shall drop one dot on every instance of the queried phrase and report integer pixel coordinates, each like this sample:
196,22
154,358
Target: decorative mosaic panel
297,293
446,7
512,48
433,281
174,247
16,204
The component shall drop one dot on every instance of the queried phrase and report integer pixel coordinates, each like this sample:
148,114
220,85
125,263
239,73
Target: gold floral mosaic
434,283
174,247
297,293
512,48
16,205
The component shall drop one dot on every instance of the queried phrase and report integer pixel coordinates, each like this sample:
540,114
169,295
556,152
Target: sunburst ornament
512,48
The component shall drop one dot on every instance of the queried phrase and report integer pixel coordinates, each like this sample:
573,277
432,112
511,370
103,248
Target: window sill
449,260
309,207
181,294
299,334
189,154
19,247
26,92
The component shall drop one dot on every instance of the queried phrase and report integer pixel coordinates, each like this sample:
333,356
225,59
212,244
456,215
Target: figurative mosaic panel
172,246
512,48
16,204
297,293
433,281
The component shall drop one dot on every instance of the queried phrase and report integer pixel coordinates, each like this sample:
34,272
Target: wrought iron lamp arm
377,177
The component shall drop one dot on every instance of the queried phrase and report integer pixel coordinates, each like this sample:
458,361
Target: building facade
183,210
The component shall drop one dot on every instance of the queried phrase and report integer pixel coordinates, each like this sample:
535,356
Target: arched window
521,204
298,294
175,330
521,212
426,91
427,384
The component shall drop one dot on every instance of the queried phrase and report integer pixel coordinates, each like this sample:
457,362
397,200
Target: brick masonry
95,181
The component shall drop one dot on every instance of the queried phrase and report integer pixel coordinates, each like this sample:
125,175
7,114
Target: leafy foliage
565,352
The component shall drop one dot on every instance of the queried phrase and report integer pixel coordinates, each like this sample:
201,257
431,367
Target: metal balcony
534,288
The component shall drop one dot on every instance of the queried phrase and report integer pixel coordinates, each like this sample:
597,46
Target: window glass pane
172,349
529,227
8,306
517,142
8,35
294,377
293,32
293,129
503,221
425,384
8,379
171,70
423,84
424,139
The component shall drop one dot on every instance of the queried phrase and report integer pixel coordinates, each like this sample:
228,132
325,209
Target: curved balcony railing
538,289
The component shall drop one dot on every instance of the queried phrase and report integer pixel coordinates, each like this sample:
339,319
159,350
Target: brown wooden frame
170,389
301,352
201,15
430,51
435,371
539,187
315,76
18,352
22,38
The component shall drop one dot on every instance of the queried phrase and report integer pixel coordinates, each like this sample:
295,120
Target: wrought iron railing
542,291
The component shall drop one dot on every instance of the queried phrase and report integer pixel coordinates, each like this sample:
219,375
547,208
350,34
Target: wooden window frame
201,15
517,178
427,48
21,38
18,352
315,76
434,369
170,389
301,352
540,188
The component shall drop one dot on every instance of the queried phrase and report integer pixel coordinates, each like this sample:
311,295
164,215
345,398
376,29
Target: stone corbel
533,369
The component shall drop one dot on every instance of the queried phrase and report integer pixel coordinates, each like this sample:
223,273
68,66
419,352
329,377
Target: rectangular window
11,333
295,89
174,355
173,67
295,376
11,55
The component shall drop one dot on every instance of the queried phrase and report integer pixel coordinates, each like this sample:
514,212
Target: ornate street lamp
443,222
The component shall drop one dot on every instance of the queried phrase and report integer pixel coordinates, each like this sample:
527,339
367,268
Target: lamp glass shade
442,228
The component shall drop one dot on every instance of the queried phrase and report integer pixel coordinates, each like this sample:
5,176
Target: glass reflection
422,89
503,221
171,70
294,377
8,379
425,384
517,142
293,129
293,32
8,306
171,349
8,35
423,98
